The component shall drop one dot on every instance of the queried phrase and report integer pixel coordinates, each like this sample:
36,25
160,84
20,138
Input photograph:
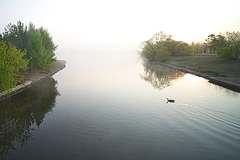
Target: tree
161,37
34,47
12,65
149,50
48,55
198,47
224,52
16,34
155,51
233,41
215,42
162,53
38,42
230,49
161,46
178,48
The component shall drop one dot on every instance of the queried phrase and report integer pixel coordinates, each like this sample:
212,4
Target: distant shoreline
226,84
33,78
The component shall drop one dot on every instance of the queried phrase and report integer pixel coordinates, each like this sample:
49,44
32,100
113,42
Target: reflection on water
20,112
158,75
161,77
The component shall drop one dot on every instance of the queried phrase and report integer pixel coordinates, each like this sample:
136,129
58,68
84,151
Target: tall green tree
16,34
48,56
34,47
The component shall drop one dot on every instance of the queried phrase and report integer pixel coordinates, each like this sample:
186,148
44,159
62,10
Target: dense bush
224,52
161,46
155,51
178,48
12,65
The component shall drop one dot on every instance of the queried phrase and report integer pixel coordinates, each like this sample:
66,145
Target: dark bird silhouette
170,100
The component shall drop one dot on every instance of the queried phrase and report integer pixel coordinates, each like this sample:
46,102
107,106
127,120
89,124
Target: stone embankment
214,80
33,78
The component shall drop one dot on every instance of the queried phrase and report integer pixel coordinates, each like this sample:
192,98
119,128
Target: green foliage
155,51
215,42
40,48
224,52
233,41
197,48
34,46
227,46
149,50
178,48
48,55
162,53
12,65
17,35
38,42
161,46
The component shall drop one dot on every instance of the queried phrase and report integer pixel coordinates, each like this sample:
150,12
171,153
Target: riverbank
33,78
219,71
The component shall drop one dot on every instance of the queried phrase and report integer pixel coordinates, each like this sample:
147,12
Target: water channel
113,106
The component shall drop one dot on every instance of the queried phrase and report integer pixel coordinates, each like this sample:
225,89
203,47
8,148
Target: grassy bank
212,65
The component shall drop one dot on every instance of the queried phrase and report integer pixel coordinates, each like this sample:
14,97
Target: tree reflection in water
20,112
159,76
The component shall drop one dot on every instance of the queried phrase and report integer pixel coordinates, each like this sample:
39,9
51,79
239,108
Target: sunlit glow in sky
123,24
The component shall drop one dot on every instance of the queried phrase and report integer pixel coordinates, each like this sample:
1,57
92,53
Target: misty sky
123,24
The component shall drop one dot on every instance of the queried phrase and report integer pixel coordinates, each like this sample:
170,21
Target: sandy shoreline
33,78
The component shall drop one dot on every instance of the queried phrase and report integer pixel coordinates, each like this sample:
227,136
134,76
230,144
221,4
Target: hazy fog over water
114,25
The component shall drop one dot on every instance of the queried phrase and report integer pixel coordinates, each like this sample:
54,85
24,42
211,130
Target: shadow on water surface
20,112
159,76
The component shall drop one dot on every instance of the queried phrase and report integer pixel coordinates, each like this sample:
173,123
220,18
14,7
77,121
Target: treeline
161,46
24,49
225,45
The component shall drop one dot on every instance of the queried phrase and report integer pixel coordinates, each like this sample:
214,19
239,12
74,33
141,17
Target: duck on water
170,100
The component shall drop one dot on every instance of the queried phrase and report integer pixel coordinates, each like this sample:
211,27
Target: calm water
113,106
